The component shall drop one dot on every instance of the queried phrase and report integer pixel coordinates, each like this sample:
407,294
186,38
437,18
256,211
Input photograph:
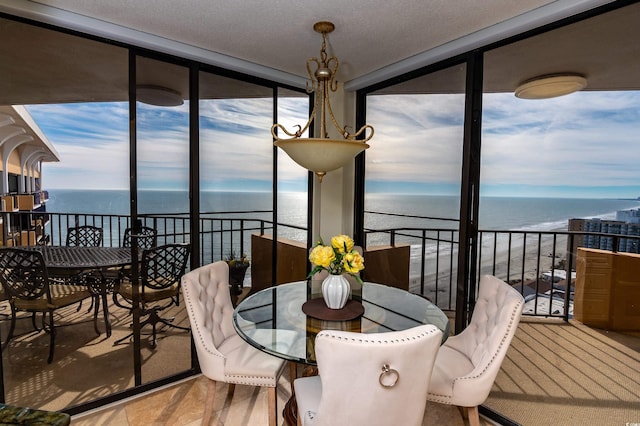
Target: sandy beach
510,259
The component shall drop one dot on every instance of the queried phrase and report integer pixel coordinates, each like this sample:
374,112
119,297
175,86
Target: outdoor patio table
281,308
67,261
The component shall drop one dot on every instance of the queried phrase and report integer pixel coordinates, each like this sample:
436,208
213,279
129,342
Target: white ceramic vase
335,291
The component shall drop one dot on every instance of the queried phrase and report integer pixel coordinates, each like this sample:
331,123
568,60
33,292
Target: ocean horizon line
370,193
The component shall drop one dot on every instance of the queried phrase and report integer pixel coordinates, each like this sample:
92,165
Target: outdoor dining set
43,279
397,347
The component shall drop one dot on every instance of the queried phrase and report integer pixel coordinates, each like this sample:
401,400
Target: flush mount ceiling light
323,154
550,86
158,95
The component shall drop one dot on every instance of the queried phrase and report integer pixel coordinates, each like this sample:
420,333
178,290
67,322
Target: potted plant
237,268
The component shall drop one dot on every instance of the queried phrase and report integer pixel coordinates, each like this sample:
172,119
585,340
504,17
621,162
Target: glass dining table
280,310
269,318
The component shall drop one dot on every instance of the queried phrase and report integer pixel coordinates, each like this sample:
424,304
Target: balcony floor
554,373
569,373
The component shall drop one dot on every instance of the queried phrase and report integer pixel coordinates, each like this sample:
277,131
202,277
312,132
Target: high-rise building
600,227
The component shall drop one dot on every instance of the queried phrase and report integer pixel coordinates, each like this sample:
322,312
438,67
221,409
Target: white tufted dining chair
468,363
223,355
376,379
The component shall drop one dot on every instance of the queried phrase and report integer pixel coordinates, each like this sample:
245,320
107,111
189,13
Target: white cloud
584,139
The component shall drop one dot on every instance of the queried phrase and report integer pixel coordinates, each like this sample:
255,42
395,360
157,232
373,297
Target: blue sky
581,145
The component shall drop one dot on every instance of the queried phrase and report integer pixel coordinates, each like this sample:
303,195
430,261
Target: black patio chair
81,236
146,236
147,239
84,236
25,279
161,270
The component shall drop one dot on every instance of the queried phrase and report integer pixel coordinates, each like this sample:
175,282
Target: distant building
629,216
621,226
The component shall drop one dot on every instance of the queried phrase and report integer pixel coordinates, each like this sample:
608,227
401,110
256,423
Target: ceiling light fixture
158,95
323,154
550,86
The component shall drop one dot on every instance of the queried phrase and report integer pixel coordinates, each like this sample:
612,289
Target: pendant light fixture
323,154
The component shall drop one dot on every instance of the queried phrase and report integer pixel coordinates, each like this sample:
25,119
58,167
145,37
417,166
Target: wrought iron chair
25,279
146,239
146,236
81,236
161,269
84,236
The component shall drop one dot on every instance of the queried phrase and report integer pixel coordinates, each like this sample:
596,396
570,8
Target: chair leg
52,341
154,341
154,318
33,321
117,302
96,307
105,310
471,413
122,339
231,389
12,327
90,306
208,405
273,408
293,373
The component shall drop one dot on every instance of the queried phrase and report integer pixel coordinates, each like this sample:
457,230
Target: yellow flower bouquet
338,258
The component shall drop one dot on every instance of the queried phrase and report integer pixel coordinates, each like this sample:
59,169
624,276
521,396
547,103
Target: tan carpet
569,374
554,374
85,366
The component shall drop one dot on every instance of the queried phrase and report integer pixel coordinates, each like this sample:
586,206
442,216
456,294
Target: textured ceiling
374,40
278,34
53,67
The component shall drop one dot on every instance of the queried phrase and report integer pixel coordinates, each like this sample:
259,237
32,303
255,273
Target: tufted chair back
469,362
494,320
223,355
206,294
353,387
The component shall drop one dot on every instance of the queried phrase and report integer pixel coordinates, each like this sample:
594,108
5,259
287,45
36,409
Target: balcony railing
220,233
537,263
540,264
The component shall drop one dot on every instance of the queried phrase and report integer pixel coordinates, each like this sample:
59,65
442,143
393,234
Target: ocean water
419,211
496,213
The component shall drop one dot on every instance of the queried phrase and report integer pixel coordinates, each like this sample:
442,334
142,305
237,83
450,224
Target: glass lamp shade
321,155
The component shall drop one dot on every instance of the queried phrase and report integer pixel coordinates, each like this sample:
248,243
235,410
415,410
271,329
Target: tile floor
183,404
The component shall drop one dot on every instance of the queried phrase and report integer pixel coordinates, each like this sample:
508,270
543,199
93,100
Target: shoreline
512,271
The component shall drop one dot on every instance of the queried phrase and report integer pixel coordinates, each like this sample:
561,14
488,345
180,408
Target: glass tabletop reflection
272,320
